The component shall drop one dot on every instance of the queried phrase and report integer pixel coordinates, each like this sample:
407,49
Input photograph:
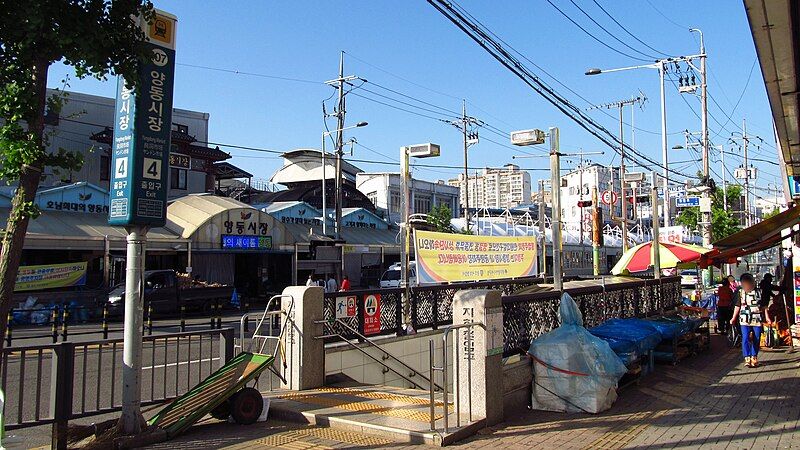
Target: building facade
579,184
384,190
507,187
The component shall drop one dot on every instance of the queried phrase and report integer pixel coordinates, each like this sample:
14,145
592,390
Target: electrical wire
626,30
600,41
610,33
251,74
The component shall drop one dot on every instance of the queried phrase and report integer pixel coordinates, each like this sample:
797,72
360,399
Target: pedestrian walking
748,311
724,307
331,285
345,284
310,281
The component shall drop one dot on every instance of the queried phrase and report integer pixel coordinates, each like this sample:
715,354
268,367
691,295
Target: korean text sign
142,132
445,257
32,278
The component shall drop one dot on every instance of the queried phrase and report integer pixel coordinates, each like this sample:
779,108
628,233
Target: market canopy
761,236
640,258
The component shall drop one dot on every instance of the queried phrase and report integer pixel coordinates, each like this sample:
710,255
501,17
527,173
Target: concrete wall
412,350
517,379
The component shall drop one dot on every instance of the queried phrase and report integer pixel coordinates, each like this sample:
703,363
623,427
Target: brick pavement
710,401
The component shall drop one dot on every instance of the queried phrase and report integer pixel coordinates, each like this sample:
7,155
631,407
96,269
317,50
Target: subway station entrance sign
142,133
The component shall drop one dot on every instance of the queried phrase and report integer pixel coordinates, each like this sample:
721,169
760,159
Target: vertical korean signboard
142,131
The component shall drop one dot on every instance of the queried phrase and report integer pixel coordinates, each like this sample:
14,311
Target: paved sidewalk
710,401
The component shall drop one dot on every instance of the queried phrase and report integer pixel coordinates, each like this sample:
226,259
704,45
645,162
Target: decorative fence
530,315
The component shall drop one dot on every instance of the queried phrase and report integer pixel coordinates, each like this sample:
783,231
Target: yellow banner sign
445,257
33,278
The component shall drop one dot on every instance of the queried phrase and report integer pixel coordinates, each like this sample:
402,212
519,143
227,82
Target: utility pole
470,137
745,140
664,153
620,105
542,231
656,244
340,113
706,209
597,232
555,183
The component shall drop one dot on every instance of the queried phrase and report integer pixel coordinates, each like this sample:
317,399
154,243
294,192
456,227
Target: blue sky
410,48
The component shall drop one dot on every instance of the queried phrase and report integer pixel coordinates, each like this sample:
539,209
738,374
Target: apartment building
506,187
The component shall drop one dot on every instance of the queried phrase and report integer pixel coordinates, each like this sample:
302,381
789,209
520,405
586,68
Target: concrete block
305,354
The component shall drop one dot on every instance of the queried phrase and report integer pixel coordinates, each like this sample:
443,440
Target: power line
665,16
626,30
610,33
251,74
600,41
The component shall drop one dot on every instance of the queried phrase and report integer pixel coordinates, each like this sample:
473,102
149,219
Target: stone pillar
483,348
305,356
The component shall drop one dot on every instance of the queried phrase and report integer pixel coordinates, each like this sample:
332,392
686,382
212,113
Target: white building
578,185
384,191
495,188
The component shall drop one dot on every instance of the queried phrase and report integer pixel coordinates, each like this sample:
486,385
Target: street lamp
406,153
338,180
658,65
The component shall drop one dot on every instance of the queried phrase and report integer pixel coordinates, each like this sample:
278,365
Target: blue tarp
667,329
642,337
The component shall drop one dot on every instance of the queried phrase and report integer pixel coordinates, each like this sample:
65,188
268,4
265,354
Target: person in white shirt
310,281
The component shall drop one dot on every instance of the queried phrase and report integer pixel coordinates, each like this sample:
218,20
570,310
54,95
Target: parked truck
166,291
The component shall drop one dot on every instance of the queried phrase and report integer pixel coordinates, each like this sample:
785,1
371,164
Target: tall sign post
555,227
138,197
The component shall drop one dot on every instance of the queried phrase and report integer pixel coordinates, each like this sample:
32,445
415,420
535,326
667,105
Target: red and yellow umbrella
640,257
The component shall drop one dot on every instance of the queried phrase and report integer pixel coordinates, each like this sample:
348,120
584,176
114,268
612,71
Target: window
177,178
373,198
180,128
105,168
394,202
422,205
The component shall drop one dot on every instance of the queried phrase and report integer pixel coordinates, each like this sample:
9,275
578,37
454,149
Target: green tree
723,222
775,211
439,218
96,38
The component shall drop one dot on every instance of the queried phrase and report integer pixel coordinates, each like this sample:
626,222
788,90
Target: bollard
213,307
246,310
64,320
105,320
54,324
183,318
9,319
150,319
219,315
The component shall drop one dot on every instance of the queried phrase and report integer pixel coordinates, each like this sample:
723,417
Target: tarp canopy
756,238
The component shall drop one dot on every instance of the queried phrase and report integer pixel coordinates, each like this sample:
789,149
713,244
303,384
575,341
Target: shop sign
248,224
179,160
345,307
301,220
142,133
75,206
372,314
246,242
671,234
32,278
445,257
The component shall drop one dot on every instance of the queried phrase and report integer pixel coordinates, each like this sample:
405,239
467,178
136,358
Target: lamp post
660,66
406,153
338,181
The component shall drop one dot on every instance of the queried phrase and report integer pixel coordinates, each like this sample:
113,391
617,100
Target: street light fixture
338,178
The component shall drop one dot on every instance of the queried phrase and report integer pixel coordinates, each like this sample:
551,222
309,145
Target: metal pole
724,178
324,202
596,233
555,183
466,166
405,237
655,245
132,334
339,144
706,215
542,230
664,154
745,139
624,212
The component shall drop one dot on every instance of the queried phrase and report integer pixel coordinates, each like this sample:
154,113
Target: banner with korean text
445,257
33,278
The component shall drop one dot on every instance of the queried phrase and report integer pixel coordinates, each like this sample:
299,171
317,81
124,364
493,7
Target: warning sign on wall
372,314
345,307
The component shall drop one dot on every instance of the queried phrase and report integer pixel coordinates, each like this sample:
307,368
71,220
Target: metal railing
412,372
457,385
528,316
56,383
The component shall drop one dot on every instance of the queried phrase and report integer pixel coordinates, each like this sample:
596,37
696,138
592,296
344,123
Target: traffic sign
609,197
687,202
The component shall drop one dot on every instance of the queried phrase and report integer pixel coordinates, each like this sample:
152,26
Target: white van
391,278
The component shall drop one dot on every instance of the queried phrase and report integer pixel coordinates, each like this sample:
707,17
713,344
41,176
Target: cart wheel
246,406
222,411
